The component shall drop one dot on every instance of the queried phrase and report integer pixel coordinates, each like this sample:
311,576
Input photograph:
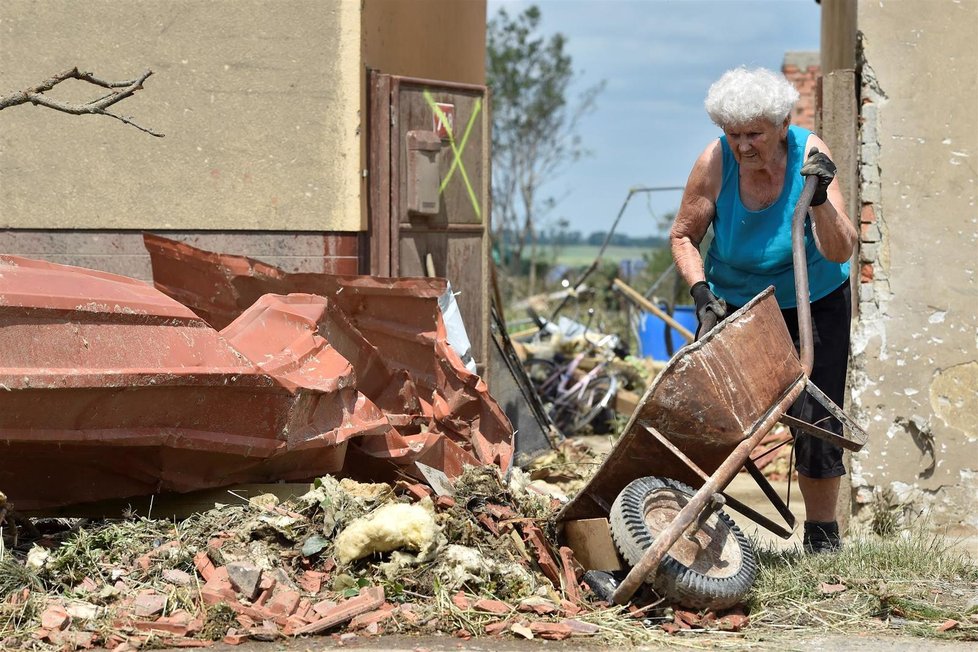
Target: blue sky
658,57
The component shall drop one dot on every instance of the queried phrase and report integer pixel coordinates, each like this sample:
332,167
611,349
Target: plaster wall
915,346
258,101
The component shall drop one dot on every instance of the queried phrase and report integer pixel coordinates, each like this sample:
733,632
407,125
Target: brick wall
802,69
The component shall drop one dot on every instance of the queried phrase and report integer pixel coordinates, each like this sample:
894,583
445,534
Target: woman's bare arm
696,211
835,234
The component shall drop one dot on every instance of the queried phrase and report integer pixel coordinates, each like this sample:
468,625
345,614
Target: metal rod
717,482
800,262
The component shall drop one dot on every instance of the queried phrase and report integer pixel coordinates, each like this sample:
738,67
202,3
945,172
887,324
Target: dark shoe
821,537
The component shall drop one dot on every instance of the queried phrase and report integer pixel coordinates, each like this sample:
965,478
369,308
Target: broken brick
488,523
580,628
733,622
365,620
551,631
55,618
417,490
370,598
176,577
537,605
283,603
497,628
461,601
234,639
311,581
500,511
571,575
204,565
493,606
463,634
444,502
534,537
148,603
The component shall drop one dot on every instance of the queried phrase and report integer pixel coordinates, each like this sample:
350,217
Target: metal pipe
800,261
717,483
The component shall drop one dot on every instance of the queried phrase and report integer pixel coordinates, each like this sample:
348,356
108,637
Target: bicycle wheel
544,375
595,400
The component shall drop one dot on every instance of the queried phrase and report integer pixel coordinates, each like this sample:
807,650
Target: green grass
911,581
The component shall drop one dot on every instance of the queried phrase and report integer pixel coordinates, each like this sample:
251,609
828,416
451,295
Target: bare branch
35,95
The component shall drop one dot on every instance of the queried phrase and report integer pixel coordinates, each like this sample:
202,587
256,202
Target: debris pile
346,559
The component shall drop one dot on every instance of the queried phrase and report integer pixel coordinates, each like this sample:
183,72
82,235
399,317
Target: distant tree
534,126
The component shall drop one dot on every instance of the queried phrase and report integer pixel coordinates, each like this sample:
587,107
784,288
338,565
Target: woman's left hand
820,165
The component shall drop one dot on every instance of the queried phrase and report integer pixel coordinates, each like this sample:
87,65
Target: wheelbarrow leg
716,483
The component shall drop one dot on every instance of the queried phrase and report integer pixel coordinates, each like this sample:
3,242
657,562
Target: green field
578,255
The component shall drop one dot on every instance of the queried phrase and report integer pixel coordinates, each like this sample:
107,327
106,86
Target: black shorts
814,457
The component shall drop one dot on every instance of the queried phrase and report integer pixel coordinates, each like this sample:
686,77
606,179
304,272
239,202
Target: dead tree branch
35,95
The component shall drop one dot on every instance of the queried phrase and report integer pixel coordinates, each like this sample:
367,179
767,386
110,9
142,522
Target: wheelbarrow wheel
714,567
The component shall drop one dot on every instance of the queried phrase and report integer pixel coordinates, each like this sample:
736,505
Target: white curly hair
742,95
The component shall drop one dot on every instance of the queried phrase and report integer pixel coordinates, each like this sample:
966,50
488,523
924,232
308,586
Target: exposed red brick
463,634
570,608
866,273
370,598
867,215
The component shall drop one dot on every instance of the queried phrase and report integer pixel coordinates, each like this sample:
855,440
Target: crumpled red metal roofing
115,390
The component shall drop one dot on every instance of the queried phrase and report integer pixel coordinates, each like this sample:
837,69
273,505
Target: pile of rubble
346,559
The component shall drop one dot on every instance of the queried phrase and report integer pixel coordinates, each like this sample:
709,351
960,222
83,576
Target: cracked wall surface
915,345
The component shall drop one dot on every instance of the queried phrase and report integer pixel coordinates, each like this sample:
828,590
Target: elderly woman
746,184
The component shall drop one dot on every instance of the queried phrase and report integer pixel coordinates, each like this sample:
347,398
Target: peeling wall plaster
914,373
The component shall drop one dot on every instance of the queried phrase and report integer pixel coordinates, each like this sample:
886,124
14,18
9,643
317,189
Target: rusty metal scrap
109,388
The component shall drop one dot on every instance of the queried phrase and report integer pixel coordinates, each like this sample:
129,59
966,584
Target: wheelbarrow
662,486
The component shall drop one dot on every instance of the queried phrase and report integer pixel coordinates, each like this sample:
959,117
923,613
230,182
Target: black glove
709,309
821,166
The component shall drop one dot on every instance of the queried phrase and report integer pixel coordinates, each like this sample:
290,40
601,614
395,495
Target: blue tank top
752,249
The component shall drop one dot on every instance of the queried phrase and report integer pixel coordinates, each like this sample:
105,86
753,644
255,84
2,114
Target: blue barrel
651,333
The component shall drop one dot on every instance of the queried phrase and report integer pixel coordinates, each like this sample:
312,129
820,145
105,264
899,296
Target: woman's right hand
710,309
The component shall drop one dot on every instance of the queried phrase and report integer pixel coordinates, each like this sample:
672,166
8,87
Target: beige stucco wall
259,101
915,375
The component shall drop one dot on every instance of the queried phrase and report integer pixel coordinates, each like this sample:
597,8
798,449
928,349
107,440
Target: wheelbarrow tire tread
674,581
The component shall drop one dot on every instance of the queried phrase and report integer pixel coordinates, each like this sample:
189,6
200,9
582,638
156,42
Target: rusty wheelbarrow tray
700,420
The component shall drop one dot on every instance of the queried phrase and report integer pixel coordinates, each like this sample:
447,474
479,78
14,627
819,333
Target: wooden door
452,240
